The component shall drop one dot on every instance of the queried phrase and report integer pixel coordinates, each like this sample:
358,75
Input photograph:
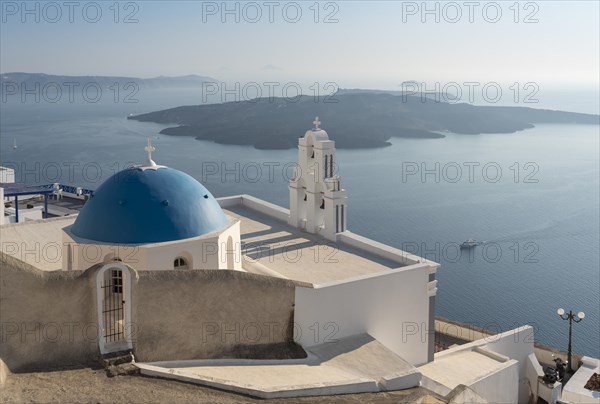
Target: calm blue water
541,223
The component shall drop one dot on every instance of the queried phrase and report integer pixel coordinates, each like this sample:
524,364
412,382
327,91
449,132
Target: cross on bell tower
317,123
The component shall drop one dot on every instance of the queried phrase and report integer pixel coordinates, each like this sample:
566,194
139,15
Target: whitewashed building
188,280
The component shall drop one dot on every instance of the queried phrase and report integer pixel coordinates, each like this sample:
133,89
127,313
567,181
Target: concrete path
356,364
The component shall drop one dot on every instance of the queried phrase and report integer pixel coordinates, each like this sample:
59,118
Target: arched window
180,263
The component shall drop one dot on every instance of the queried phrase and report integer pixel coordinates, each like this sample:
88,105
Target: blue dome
149,206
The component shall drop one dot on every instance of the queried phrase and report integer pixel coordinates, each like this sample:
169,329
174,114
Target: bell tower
318,204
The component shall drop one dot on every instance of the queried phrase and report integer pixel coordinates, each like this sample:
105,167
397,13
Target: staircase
119,364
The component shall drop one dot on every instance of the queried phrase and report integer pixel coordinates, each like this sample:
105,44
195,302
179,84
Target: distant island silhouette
359,119
30,80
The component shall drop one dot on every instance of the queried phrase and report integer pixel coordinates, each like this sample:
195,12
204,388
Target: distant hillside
357,120
445,96
31,79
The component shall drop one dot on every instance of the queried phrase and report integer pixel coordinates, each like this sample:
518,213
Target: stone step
122,370
119,364
116,358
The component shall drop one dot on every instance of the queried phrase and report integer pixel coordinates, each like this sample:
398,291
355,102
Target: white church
243,295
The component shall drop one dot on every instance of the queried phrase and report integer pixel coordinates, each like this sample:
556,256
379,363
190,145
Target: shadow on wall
49,319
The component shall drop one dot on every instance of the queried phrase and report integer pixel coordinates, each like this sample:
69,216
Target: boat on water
14,143
470,243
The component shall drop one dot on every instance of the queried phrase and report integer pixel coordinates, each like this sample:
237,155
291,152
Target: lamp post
571,317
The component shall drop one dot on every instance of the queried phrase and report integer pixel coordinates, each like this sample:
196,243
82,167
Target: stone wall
182,315
48,319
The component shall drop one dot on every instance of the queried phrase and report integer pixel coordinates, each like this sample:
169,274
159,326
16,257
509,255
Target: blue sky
372,44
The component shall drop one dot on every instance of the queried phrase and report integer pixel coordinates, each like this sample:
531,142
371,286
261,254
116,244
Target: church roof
140,205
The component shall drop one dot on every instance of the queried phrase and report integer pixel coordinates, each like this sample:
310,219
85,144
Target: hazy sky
372,44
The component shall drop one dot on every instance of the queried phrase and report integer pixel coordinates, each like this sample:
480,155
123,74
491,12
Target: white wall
515,344
532,371
258,205
203,254
79,256
7,175
232,232
200,252
229,201
391,306
383,250
267,208
518,345
25,214
1,217
574,391
494,386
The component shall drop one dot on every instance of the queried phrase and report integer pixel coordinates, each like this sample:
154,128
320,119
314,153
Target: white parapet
574,391
495,367
1,206
7,175
393,307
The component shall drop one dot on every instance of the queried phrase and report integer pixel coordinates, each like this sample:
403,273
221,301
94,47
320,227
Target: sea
531,197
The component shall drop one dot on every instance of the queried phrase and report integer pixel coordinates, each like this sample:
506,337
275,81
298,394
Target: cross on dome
149,162
317,123
149,148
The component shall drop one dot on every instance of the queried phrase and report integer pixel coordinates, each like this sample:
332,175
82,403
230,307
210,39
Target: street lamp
571,317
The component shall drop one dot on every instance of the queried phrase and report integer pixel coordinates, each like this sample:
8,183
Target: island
359,119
